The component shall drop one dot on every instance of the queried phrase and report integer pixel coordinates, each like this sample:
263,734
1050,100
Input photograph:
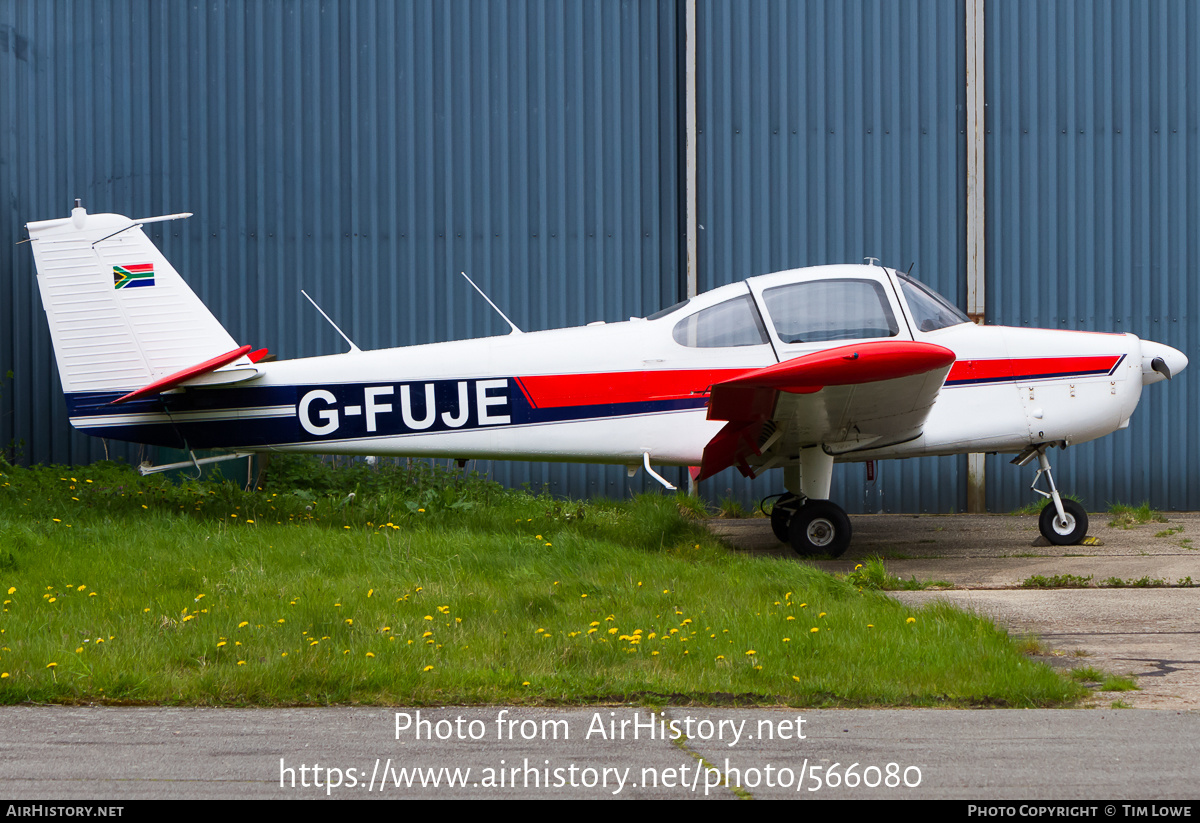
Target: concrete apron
1151,633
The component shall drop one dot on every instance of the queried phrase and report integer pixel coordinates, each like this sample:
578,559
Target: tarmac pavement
1152,633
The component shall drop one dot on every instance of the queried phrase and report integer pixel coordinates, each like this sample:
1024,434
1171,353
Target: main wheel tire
782,512
1064,535
820,527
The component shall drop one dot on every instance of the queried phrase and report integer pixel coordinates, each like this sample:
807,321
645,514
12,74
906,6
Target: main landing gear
803,516
1064,523
811,527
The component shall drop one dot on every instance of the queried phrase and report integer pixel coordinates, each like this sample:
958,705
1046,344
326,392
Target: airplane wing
845,398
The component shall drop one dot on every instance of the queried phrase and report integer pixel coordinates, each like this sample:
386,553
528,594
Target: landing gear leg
1065,522
804,517
782,512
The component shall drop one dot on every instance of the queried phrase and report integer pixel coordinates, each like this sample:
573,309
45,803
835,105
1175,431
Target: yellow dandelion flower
814,630
12,589
370,654
280,620
429,617
81,588
349,621
583,595
79,650
52,599
51,665
751,653
791,617
787,640
822,614
315,642
91,594
241,662
222,643
911,620
3,675
243,624
720,657
797,679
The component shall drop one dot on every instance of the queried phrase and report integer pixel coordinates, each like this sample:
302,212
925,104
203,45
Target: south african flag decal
133,276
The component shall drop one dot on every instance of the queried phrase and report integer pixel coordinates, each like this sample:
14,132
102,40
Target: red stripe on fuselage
551,391
1031,368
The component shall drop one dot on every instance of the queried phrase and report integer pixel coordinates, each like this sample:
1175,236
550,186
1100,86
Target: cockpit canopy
812,310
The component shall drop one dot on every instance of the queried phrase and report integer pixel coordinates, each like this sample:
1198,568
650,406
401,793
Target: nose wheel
1063,522
1067,530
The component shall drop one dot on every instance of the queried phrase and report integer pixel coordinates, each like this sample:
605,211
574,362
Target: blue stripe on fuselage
335,412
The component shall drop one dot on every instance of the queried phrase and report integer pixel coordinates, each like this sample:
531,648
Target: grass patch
872,574
402,585
1126,517
1104,681
731,509
1143,582
1057,581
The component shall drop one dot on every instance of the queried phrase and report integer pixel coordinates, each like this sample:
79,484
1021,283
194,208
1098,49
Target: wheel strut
1067,522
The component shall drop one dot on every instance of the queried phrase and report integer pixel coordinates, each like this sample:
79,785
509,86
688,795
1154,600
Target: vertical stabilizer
120,315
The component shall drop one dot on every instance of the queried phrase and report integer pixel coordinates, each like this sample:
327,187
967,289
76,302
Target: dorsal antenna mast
511,324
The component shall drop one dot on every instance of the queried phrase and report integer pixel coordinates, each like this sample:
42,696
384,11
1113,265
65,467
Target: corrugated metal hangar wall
369,151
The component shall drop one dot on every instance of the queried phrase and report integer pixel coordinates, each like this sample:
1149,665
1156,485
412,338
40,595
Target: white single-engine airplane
798,369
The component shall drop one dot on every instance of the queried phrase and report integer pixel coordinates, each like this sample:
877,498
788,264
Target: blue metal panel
1093,213
365,151
830,132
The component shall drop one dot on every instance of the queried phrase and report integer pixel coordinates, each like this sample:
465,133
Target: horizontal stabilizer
171,381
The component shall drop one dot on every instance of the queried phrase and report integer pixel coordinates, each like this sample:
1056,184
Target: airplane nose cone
1160,362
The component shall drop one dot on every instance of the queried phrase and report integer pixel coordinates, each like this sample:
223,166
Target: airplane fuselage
631,389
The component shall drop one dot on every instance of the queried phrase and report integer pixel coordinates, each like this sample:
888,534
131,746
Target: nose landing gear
1064,523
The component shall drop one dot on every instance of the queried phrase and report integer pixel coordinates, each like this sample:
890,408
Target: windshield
819,310
929,309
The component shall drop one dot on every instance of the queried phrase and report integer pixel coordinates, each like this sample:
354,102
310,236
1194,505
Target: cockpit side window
929,309
820,310
732,323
